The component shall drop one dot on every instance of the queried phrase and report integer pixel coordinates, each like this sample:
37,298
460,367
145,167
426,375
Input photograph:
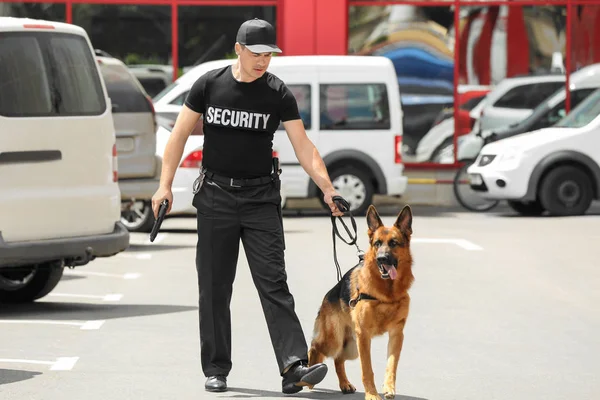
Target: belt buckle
231,183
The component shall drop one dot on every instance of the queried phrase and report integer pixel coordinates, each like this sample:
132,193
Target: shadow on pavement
153,247
86,311
177,230
240,393
12,375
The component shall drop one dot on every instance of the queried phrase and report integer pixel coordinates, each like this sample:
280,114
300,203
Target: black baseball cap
258,36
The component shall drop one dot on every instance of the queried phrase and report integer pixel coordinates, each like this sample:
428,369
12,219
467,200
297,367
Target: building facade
447,53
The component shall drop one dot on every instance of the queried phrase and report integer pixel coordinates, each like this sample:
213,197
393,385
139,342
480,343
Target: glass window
48,74
528,97
76,77
354,106
584,113
302,94
179,100
24,87
558,112
123,90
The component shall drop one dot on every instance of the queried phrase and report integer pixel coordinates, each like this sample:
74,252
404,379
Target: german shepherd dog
371,299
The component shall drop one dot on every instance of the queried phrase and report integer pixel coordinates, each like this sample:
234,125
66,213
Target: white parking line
64,363
130,275
107,297
61,363
84,325
464,243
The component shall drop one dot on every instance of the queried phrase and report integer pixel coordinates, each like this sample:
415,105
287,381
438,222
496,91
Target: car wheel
138,217
28,283
355,186
566,190
527,208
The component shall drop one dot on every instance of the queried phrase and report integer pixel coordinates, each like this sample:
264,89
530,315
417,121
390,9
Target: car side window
541,92
302,93
354,106
528,97
179,100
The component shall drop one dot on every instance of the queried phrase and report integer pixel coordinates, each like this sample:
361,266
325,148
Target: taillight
398,149
115,163
275,154
194,160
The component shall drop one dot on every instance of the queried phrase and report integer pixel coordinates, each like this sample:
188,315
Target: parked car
59,196
581,84
188,169
154,78
135,125
440,137
555,169
355,120
514,99
550,111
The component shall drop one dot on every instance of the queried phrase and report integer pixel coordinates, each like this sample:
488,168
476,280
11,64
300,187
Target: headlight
486,159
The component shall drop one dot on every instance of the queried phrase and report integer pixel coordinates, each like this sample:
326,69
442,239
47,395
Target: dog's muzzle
387,266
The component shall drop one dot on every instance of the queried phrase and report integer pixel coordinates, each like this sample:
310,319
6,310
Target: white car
354,119
514,99
60,203
556,169
188,170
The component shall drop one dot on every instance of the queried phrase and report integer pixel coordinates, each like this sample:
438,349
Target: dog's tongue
391,271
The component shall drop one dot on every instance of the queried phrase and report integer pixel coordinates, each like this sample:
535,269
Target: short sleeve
289,106
195,99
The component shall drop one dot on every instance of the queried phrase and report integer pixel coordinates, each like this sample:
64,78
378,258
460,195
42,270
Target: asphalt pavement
503,307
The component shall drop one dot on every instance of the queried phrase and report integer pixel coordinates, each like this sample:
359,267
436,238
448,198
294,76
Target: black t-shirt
240,119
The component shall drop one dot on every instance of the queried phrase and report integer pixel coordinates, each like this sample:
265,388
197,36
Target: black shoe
301,375
216,383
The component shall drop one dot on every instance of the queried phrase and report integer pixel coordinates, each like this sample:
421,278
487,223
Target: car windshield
164,92
583,114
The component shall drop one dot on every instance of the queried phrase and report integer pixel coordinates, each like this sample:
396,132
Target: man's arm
311,161
186,121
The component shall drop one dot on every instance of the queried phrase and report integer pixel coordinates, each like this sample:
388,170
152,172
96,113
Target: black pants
253,214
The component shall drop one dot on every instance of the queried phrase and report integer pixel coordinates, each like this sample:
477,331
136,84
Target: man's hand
162,193
328,197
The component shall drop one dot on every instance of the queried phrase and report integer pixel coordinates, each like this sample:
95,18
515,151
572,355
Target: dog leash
344,206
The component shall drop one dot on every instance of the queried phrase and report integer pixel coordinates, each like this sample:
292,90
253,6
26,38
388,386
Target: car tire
41,280
529,209
355,186
565,191
140,220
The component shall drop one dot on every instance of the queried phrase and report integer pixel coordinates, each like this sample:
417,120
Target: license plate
125,145
475,180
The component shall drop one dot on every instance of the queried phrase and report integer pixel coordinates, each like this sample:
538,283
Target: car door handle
16,157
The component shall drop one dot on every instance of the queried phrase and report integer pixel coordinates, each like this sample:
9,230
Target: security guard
238,197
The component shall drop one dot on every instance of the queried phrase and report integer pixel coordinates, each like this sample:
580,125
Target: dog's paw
347,388
389,392
371,396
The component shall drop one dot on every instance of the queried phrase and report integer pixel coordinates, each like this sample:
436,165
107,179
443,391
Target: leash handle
343,206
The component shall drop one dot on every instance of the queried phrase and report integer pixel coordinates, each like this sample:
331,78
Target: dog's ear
404,221
373,220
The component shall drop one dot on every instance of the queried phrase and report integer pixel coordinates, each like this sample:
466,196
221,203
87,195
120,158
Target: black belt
239,182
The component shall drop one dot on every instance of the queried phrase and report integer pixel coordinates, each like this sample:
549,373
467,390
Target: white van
59,198
351,109
556,169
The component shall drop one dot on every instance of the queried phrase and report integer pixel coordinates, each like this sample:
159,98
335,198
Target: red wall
313,27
